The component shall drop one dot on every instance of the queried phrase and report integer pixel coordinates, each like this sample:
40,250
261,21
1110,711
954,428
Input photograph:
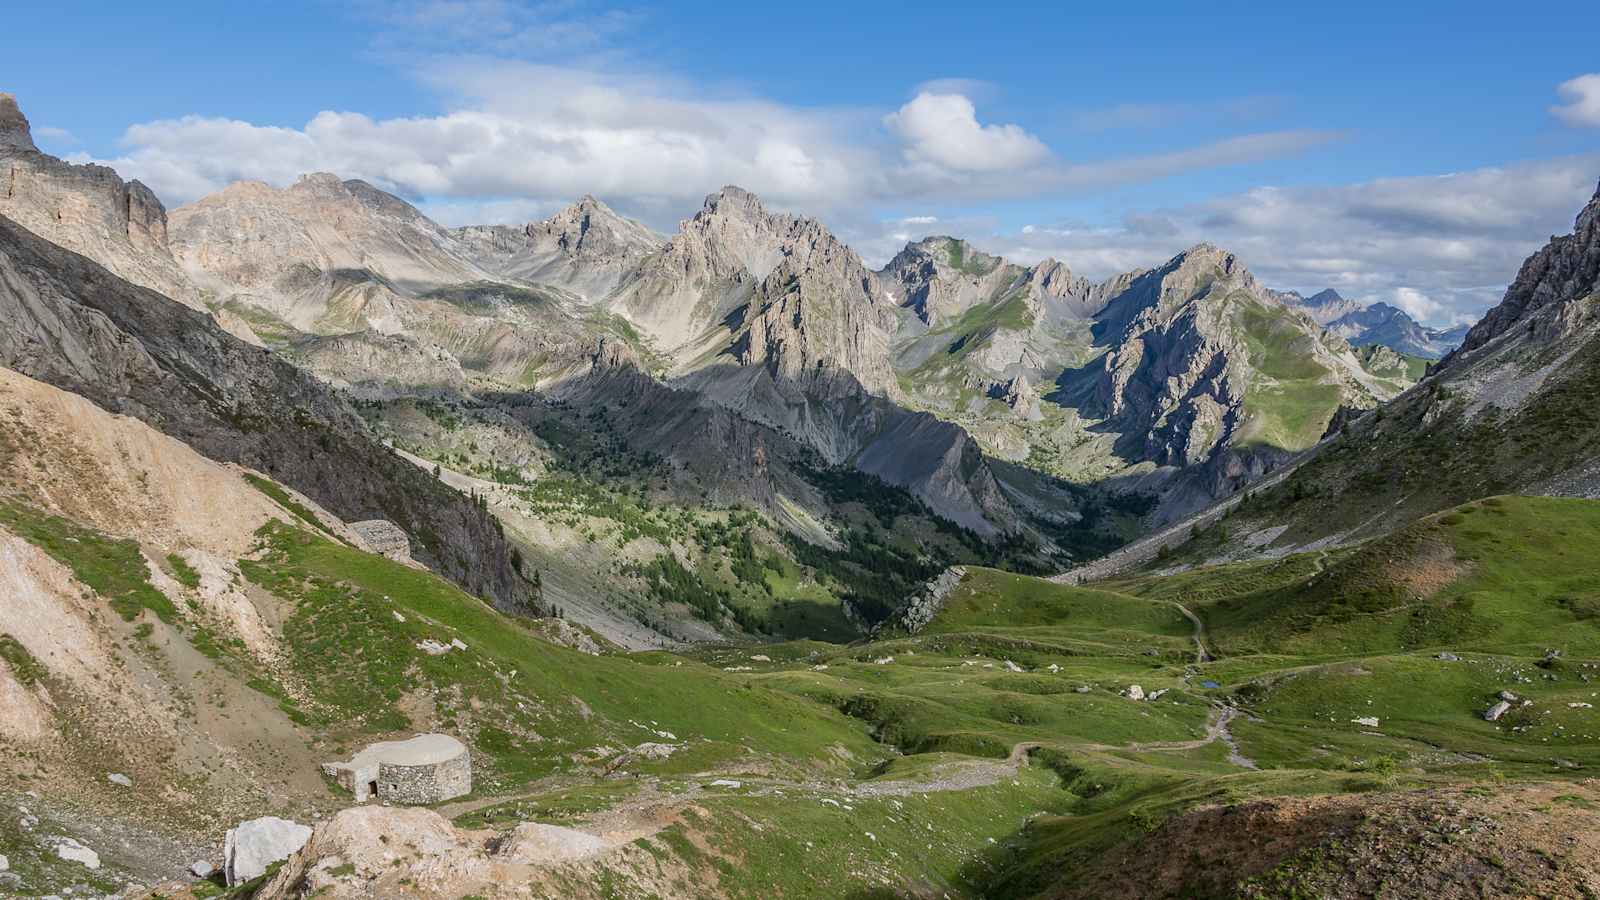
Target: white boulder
1494,712
1134,692
72,851
254,845
120,779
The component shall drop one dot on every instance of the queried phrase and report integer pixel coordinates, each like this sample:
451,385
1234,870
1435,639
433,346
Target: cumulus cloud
1580,101
542,135
1416,304
943,130
1443,248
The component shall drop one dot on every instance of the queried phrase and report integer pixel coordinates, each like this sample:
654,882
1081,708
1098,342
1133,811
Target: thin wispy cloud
1140,116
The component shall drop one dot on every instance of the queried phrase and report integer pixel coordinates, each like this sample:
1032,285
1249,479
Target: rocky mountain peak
591,228
1565,270
733,200
1591,213
14,131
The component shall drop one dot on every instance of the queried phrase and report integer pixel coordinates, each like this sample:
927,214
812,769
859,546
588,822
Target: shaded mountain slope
69,322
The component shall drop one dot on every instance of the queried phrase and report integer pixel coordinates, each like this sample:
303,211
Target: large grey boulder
1494,712
254,845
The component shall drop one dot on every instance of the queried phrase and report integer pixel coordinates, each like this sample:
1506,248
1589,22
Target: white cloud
654,147
943,130
1416,304
1581,101
56,135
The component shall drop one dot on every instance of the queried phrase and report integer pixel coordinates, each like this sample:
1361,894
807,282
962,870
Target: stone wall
426,783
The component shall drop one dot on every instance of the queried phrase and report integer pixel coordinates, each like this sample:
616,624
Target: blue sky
1403,152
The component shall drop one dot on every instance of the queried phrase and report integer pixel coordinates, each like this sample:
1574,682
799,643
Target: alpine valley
741,568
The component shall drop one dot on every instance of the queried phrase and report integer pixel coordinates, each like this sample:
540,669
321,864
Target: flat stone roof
422,750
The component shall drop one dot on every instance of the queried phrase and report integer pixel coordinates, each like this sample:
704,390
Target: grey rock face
254,845
14,131
87,209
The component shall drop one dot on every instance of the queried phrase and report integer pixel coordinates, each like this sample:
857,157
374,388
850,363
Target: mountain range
734,560
1378,323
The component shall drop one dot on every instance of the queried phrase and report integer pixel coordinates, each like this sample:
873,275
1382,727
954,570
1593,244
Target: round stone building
425,769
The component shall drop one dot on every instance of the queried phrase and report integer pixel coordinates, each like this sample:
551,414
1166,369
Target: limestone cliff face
87,209
585,248
1565,270
743,285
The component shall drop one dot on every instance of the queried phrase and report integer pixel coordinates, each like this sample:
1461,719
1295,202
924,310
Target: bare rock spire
14,133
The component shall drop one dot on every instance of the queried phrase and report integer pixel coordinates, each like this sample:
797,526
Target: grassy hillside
996,752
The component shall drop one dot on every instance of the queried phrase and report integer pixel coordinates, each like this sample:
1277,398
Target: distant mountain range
1378,323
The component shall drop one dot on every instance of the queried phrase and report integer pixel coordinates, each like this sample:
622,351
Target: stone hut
425,769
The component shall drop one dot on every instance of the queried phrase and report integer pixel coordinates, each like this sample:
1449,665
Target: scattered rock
4,863
72,851
119,778
202,869
1447,657
1494,712
1081,689
761,657
432,647
1509,697
457,643
653,750
1368,721
1134,692
1012,667
883,660
1156,695
397,617
1580,706
727,783
1053,668
254,845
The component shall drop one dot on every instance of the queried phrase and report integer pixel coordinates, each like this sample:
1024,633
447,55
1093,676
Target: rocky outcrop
917,611
1565,270
384,537
66,321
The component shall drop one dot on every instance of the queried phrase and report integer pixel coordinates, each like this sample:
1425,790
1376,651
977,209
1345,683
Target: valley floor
1274,728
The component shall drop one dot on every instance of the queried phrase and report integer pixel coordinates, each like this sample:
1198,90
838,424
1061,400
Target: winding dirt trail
1201,654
